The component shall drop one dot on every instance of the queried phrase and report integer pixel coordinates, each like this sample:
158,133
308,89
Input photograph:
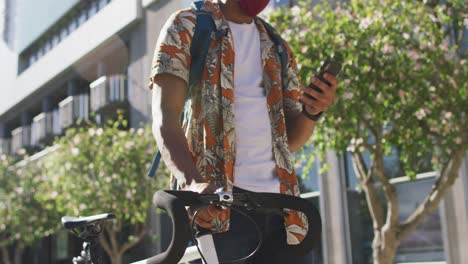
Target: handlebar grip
281,201
174,203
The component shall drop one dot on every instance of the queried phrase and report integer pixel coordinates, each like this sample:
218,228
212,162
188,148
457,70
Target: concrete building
63,60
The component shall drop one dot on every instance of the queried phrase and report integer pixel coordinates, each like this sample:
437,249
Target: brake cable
230,201
259,233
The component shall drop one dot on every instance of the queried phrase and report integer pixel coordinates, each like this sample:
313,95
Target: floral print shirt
209,112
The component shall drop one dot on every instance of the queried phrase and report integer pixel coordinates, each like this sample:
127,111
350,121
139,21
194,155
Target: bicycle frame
175,202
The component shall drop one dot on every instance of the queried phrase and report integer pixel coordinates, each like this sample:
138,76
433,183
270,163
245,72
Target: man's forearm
299,129
175,152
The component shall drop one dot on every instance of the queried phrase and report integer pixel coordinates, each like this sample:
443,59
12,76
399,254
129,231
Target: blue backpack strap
154,165
280,49
200,44
198,51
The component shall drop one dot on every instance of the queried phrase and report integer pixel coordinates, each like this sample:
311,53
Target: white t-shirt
255,169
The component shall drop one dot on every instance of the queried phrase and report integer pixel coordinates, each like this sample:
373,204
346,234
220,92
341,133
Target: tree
404,86
102,170
25,218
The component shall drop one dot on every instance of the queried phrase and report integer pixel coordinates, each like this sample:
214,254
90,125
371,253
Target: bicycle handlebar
174,203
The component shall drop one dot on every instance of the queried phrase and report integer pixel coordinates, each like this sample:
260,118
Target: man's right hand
205,216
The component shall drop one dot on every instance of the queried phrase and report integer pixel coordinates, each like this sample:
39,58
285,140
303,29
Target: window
55,39
7,20
66,26
308,180
425,243
32,58
92,9
47,46
82,17
72,24
3,19
39,52
102,3
63,32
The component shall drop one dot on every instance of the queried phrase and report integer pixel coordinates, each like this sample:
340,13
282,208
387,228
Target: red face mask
253,7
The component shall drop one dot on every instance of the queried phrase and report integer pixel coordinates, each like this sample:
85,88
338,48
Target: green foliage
25,217
89,171
403,83
96,170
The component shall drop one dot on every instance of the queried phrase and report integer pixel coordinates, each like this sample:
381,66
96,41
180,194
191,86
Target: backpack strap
280,49
200,44
198,51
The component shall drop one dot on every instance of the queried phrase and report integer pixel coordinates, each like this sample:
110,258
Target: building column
4,144
47,109
101,69
454,218
336,245
47,105
3,133
26,120
72,87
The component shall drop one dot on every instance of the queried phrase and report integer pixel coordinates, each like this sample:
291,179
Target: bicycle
174,202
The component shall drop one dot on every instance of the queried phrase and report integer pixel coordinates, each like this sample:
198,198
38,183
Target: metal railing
66,112
72,109
56,127
20,138
107,90
41,127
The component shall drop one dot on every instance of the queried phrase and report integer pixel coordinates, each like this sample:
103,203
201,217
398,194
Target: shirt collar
214,9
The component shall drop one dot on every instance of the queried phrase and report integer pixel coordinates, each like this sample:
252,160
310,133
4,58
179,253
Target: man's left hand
322,101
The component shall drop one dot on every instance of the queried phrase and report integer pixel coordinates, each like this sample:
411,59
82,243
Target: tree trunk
114,249
383,256
6,255
116,258
385,245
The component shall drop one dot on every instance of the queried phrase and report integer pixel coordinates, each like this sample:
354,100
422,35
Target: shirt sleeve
172,53
293,86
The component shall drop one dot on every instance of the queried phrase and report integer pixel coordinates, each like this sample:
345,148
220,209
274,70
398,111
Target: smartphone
330,67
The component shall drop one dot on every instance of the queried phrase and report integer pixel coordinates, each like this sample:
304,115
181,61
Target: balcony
72,109
99,30
41,128
20,139
108,91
